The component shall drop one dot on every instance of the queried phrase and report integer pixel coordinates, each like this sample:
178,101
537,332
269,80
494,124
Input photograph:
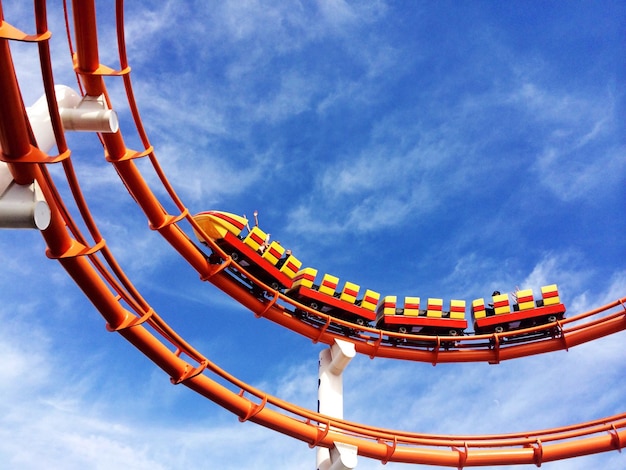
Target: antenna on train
256,218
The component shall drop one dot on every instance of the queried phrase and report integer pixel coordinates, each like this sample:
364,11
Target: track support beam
87,114
332,362
21,205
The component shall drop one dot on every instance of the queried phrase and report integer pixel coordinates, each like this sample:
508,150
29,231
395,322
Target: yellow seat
411,306
349,292
435,308
457,309
550,295
304,278
329,284
501,304
478,308
388,305
370,300
525,300
255,238
273,252
291,266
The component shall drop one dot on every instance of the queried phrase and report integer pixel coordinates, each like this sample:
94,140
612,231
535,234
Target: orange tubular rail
92,266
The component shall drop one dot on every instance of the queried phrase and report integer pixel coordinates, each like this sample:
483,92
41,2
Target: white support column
332,362
343,456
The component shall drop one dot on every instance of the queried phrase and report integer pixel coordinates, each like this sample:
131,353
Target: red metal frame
442,323
306,295
488,323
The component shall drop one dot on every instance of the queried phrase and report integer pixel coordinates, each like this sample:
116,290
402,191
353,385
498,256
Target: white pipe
89,113
21,206
39,115
343,456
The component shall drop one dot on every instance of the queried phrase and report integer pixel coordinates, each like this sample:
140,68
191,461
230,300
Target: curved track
91,264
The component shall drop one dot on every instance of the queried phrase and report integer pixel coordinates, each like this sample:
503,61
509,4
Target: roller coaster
279,268
77,244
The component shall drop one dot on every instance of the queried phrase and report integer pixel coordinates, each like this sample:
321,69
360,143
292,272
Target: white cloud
567,268
293,96
571,179
381,187
578,158
202,179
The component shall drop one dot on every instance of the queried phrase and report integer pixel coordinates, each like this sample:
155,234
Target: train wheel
347,331
214,259
234,255
499,329
403,329
257,292
551,318
314,306
453,332
360,322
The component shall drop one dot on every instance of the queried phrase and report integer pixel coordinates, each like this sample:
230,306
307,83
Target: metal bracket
21,206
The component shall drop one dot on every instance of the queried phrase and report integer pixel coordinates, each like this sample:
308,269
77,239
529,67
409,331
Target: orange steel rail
89,262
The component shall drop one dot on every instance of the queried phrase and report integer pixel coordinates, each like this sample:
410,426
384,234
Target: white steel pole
332,362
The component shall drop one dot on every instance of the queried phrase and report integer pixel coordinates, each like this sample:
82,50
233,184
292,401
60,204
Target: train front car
500,316
269,262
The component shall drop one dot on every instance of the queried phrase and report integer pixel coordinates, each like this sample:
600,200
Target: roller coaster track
91,264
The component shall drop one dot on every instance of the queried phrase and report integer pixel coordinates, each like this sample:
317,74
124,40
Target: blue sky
436,149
